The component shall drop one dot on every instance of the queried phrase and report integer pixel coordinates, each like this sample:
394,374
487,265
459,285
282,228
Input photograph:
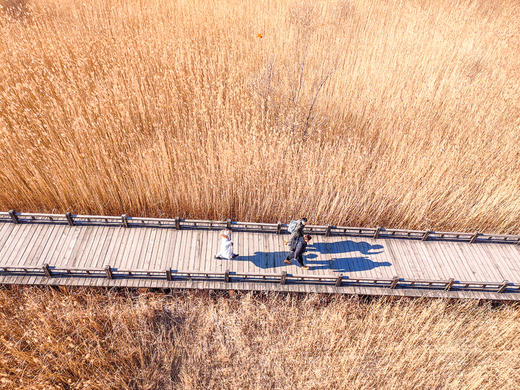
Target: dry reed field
83,339
401,113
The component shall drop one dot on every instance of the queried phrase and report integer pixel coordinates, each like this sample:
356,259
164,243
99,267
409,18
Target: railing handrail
328,230
339,280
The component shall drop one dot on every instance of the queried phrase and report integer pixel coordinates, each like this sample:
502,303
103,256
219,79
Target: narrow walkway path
71,251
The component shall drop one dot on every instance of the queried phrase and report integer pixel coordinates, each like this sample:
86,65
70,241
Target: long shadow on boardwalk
266,260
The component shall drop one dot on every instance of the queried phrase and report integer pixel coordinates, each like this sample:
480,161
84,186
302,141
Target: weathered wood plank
13,242
450,259
181,244
434,265
85,251
22,257
130,248
97,258
5,231
404,271
489,261
472,256
154,261
510,259
138,254
86,259
19,256
200,255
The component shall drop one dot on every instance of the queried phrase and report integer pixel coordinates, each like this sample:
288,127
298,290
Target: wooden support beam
283,277
177,223
227,277
395,281
426,235
68,215
124,220
228,224
109,273
474,237
376,233
47,270
169,274
279,228
339,280
503,286
329,228
449,284
13,216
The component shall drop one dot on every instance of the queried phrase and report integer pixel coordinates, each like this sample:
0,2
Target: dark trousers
298,258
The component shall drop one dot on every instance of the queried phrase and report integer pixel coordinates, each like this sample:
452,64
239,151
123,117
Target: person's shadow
266,260
346,246
346,264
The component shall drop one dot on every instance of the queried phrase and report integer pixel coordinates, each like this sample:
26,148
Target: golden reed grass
402,113
87,339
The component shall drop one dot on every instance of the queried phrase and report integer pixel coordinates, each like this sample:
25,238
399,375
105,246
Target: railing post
227,277
13,216
177,223
426,235
339,280
474,237
124,220
169,274
329,228
395,281
376,233
47,270
279,228
109,273
283,277
68,215
228,224
449,284
503,286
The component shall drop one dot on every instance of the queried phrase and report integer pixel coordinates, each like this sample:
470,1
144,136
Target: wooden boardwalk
76,250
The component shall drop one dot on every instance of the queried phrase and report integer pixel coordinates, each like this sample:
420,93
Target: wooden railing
278,228
283,278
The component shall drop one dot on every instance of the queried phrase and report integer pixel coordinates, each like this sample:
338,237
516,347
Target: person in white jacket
226,246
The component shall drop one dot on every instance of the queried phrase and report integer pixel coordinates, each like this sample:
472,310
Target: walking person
226,246
298,250
297,230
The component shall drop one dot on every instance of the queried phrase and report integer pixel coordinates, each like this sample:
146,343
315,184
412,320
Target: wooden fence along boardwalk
82,250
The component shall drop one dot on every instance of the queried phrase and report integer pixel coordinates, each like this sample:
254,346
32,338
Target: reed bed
401,113
81,339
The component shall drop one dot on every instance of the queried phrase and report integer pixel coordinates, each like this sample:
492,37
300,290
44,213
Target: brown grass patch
394,113
82,339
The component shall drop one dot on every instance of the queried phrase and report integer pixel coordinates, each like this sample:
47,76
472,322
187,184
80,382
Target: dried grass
83,338
395,113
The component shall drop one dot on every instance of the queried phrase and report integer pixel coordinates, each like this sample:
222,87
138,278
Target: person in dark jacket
297,233
299,250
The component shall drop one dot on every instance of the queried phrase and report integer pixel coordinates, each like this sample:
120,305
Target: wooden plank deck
160,248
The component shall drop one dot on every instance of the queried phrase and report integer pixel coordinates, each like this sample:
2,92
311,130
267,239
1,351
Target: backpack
292,226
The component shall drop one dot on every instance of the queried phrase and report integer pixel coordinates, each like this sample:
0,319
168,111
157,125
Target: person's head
304,220
307,238
226,233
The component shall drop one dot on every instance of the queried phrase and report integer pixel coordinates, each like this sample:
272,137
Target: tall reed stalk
401,113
